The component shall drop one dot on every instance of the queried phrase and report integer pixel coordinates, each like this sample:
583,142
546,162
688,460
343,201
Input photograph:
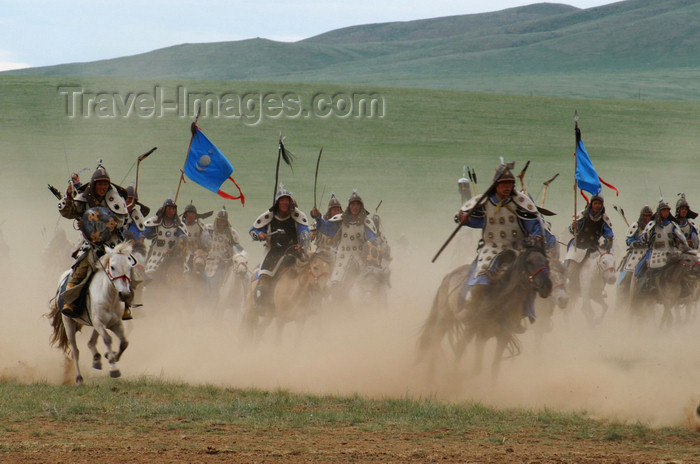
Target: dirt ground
336,444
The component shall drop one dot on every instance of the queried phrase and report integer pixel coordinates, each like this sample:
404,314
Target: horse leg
96,357
110,355
501,343
479,354
121,335
70,327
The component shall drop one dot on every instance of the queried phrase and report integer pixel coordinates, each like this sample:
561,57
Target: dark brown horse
495,310
674,286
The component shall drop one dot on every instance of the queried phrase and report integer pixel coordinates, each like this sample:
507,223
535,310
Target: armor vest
662,240
351,239
502,231
165,240
588,234
286,239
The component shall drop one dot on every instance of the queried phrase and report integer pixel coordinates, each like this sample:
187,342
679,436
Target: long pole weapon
522,175
138,163
481,201
282,154
622,213
318,162
546,185
576,132
193,129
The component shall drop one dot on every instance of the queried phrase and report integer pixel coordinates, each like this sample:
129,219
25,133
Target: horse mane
122,248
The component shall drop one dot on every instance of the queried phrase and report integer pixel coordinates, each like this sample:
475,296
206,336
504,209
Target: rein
600,267
544,269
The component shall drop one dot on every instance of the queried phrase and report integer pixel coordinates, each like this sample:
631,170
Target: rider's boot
127,316
70,309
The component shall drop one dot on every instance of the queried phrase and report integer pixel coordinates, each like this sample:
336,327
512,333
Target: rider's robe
165,236
283,234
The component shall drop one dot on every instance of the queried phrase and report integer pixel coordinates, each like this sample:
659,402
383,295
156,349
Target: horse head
606,266
319,266
559,281
199,261
691,264
240,263
533,268
117,264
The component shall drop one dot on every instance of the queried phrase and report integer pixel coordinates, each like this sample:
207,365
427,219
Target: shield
98,224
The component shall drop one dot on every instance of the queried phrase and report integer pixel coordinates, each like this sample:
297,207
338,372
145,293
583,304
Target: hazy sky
46,32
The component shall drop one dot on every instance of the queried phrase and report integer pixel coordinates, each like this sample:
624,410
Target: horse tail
58,338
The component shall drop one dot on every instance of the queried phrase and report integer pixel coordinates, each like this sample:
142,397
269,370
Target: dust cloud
618,370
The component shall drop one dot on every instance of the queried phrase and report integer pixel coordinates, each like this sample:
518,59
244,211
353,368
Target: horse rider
356,237
198,235
225,244
684,218
635,249
167,233
507,217
135,222
661,237
321,241
98,192
591,230
284,229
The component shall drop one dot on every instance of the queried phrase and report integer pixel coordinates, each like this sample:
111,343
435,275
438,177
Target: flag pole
193,128
576,131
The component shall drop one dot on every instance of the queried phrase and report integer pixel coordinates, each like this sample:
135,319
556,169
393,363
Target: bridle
600,264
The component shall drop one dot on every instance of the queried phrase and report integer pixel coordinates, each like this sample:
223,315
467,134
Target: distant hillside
634,36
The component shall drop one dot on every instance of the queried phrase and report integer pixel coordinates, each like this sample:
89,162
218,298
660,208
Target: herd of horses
522,280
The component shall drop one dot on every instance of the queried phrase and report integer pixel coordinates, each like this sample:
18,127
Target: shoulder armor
370,225
471,202
299,217
337,218
263,220
607,220
137,219
524,202
116,202
632,230
152,221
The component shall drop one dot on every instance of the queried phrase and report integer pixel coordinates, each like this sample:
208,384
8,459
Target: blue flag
208,167
586,177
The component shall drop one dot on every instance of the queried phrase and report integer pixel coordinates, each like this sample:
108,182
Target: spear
622,213
546,185
481,201
522,175
318,162
577,133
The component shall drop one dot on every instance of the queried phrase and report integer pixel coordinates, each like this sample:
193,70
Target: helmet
222,214
355,197
100,174
169,202
131,192
646,209
283,192
504,173
191,207
597,197
683,202
334,203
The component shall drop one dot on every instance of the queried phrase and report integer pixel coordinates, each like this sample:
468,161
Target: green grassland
410,158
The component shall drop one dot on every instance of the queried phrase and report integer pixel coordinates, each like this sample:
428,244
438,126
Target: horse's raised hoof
79,380
97,361
115,374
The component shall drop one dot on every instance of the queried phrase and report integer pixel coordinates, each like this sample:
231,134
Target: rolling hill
621,50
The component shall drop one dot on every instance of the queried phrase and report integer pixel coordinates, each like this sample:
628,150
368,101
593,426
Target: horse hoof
97,365
79,380
115,374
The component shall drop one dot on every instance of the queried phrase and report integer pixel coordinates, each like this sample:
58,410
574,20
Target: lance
622,213
481,201
318,162
577,133
522,175
193,129
376,210
546,186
